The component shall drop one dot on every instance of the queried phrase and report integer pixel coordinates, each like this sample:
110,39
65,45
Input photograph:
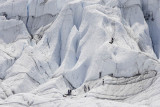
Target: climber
100,74
88,88
103,82
147,16
33,17
152,19
112,40
70,92
85,88
152,16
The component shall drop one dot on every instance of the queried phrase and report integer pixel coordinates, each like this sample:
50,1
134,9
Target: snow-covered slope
48,47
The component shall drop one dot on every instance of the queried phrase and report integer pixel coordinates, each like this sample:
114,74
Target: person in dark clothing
68,92
88,88
33,17
103,82
152,17
100,74
85,88
112,40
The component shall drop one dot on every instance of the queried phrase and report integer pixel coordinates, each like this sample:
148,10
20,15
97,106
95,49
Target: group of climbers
18,17
149,16
68,94
86,88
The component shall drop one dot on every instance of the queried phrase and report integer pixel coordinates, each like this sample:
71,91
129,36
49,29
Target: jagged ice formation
50,46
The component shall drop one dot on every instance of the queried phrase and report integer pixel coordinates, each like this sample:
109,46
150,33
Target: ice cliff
105,51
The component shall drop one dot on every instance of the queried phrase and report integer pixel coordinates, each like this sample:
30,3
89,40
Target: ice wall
153,7
72,47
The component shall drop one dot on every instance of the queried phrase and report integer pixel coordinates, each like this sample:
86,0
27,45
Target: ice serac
29,2
152,8
100,49
13,39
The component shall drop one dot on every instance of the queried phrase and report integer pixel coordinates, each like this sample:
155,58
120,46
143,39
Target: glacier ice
48,47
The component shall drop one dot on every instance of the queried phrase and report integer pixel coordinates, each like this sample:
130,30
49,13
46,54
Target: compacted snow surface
105,51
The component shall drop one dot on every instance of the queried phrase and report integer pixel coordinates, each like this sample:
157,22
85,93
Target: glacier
105,51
